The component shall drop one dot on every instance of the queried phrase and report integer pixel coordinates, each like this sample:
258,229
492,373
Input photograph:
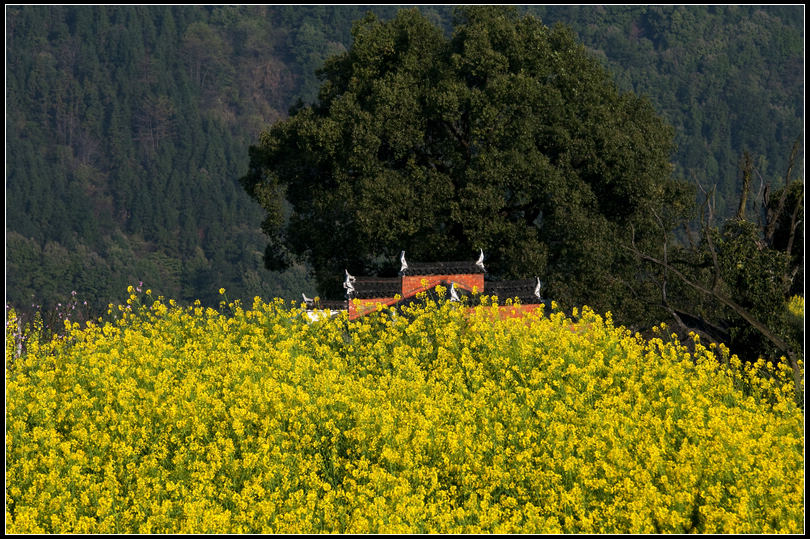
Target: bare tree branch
773,214
794,220
746,167
709,205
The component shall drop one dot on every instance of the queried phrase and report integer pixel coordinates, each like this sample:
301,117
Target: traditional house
364,294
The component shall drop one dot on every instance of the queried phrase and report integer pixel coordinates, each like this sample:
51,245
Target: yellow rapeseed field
441,419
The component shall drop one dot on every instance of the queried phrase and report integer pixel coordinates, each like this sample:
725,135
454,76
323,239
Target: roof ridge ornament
480,261
348,284
453,293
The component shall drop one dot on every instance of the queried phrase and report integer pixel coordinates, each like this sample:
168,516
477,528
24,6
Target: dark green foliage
126,127
729,79
126,130
508,136
754,276
766,268
733,285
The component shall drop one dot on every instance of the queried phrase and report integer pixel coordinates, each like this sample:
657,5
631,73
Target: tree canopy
506,136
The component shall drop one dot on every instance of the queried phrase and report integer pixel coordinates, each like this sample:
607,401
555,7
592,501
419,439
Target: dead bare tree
773,213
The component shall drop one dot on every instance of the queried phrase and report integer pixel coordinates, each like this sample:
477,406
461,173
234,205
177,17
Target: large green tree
506,136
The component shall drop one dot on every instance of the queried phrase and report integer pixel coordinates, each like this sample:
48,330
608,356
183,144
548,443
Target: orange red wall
413,284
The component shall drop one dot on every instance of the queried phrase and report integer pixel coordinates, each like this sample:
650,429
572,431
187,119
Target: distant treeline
128,127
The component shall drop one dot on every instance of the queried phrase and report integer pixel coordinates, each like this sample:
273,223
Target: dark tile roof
334,305
523,289
442,268
377,287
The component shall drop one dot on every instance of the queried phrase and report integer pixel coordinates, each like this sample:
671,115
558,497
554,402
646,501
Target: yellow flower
441,421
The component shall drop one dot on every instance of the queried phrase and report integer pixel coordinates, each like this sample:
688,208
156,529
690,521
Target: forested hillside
727,78
128,127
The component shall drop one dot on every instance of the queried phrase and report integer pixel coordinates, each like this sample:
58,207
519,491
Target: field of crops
441,419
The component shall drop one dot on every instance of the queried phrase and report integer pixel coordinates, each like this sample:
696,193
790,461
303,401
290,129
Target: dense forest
127,128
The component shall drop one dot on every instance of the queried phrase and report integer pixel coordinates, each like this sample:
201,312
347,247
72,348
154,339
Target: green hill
128,126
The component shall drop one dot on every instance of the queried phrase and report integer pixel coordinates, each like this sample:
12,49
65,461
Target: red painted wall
362,307
413,284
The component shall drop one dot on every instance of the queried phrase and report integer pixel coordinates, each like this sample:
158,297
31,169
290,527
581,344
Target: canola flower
435,419
796,306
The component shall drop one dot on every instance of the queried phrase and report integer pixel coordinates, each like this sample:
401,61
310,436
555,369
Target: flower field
436,420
